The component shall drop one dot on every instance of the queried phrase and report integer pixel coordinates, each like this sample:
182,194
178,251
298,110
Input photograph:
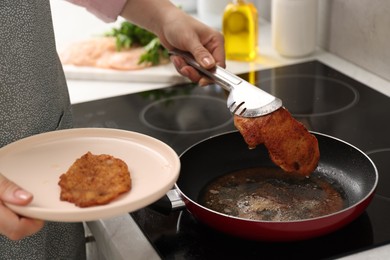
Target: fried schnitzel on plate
35,163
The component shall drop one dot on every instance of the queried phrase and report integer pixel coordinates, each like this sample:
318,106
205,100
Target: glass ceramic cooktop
323,99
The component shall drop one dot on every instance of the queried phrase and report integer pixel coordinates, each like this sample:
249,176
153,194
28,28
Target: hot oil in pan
270,194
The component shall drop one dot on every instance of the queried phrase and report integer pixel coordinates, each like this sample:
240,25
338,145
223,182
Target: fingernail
22,194
207,61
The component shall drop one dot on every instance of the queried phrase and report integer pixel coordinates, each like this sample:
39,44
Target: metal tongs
244,98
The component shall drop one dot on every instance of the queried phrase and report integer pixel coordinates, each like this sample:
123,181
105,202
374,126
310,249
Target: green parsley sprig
129,35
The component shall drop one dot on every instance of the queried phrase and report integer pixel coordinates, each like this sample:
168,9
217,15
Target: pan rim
340,212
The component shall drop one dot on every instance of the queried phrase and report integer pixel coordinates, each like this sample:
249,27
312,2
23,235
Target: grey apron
34,99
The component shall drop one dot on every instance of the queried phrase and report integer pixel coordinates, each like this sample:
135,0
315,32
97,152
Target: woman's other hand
12,225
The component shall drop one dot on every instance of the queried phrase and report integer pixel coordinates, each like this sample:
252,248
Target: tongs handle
221,76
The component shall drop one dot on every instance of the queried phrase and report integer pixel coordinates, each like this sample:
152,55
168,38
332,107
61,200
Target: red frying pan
342,165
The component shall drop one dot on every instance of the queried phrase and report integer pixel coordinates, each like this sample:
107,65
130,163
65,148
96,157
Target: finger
184,69
219,56
178,62
15,227
194,76
188,71
215,46
12,193
203,57
212,46
205,81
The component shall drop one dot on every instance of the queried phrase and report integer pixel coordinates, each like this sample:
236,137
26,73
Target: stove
323,99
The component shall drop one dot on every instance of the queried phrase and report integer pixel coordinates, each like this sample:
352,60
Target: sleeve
106,10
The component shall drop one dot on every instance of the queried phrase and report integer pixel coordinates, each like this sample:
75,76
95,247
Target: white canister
294,27
211,12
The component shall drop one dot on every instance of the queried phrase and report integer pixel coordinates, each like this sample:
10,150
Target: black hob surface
323,99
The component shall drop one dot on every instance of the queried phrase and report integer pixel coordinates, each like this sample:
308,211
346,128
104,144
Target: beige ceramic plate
35,163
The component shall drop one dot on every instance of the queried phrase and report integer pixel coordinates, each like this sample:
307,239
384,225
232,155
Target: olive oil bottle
240,29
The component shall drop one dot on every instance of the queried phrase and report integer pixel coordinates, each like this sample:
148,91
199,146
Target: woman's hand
178,30
183,32
12,225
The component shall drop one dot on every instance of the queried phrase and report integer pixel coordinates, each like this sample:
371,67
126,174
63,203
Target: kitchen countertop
87,90
110,234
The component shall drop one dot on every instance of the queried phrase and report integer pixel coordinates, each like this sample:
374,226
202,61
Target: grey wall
356,30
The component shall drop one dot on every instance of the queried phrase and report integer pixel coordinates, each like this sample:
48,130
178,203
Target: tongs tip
244,99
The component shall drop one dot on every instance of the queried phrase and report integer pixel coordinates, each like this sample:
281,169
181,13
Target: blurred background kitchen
357,31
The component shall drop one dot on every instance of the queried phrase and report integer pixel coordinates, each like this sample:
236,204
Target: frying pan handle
169,203
177,202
